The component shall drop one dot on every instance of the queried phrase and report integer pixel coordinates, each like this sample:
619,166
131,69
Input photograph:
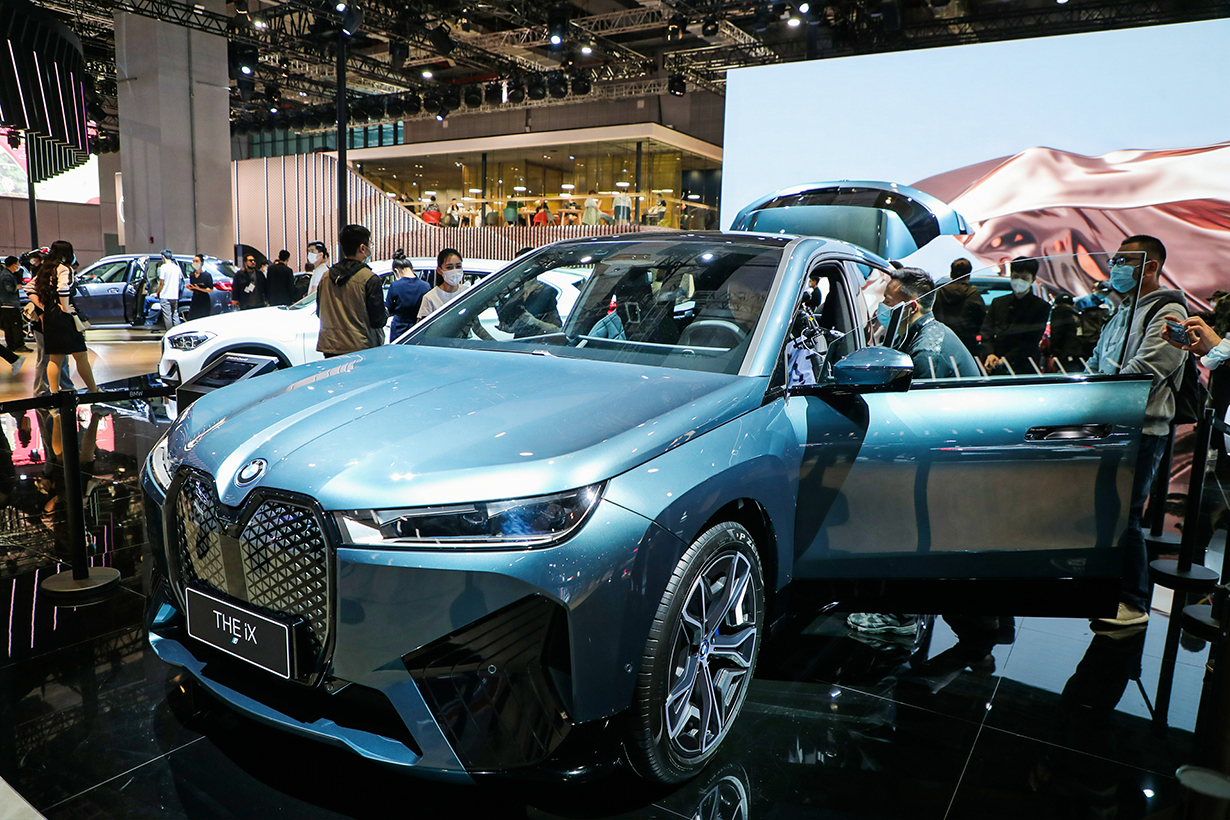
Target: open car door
1010,486
887,219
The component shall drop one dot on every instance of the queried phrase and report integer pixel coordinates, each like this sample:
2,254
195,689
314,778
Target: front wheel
700,656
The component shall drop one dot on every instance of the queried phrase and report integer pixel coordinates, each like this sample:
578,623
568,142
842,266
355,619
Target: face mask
196,265
453,277
883,314
313,257
74,262
1020,286
1122,278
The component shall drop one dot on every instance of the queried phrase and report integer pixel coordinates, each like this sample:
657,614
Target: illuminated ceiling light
476,190
518,188
259,24
557,23
340,7
246,69
793,22
588,48
429,193
568,186
427,75
804,8
352,20
677,85
622,184
442,113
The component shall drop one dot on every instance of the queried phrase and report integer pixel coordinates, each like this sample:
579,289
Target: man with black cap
169,275
318,256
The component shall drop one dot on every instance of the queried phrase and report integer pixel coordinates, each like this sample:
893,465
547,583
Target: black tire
716,653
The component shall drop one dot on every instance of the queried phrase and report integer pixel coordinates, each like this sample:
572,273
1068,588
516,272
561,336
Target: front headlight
523,522
158,465
190,340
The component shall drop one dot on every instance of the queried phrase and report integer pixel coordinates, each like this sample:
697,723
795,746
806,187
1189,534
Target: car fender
753,457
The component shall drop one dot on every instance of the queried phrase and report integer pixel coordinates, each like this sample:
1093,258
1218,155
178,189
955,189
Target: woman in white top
449,276
591,215
52,285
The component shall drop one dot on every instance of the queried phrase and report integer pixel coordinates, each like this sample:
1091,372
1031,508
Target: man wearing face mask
1135,272
318,257
449,275
938,353
350,300
1015,322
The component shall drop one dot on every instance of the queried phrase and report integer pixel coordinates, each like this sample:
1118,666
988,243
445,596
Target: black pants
10,321
8,355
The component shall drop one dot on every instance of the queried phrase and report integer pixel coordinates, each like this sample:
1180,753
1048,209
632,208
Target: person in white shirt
318,255
169,274
448,282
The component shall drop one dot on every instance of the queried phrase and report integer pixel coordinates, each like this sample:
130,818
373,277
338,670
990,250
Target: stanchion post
83,581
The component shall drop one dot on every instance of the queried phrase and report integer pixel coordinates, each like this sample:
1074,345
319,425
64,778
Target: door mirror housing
874,370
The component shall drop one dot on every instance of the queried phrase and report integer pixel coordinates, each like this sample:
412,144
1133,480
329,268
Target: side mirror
874,370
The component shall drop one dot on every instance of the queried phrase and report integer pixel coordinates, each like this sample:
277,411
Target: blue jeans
1135,582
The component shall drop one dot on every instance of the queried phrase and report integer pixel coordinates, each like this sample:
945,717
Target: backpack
1190,396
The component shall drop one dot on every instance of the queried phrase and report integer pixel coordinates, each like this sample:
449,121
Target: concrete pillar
174,136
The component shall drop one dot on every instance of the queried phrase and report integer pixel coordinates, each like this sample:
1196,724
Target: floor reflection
970,717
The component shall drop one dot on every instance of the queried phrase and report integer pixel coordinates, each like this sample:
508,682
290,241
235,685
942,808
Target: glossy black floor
976,718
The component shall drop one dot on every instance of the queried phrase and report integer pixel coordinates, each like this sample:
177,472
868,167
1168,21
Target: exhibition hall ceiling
415,59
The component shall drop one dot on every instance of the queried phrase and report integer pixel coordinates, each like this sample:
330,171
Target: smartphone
1178,333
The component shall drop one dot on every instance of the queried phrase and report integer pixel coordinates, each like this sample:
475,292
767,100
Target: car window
1049,325
107,272
672,302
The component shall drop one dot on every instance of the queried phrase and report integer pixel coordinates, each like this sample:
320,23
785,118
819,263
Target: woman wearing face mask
449,276
318,257
201,283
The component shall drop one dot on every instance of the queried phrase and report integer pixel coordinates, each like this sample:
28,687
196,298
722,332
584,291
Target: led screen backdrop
1050,146
79,184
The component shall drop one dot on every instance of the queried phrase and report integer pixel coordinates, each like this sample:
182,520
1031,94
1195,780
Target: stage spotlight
677,85
247,88
536,88
451,98
710,27
805,8
557,85
357,113
352,19
399,52
557,24
493,94
395,107
268,126
432,101
375,108
516,92
297,120
677,27
441,113
241,6
313,119
340,8
761,18
587,49
440,39
580,84
414,105
473,96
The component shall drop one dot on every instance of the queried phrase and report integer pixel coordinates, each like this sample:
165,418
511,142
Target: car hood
418,425
272,322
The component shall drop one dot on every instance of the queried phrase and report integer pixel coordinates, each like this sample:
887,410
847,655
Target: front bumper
451,661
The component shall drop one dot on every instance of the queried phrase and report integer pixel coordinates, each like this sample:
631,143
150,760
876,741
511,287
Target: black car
110,290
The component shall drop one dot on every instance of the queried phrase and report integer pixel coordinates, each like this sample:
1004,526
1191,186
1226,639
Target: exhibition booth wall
1054,145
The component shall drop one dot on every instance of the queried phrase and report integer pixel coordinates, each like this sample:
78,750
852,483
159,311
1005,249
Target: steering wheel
719,331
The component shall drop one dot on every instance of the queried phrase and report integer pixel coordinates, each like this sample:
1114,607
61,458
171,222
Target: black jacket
1013,329
280,284
248,299
959,305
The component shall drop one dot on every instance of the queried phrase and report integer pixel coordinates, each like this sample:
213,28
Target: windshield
1044,315
677,302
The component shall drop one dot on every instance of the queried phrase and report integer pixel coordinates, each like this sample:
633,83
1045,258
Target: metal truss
641,18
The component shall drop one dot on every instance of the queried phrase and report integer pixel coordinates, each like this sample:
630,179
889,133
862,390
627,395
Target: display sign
240,632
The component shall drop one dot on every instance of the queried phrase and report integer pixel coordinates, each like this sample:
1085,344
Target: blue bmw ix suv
593,483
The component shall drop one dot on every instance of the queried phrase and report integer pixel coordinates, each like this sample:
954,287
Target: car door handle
1069,432
113,290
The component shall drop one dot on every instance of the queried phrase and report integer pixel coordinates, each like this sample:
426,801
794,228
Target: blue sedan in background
471,551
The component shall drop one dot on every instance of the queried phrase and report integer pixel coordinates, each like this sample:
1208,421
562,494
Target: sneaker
1127,615
17,366
876,623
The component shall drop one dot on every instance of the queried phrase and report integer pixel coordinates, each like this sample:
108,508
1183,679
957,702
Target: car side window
823,332
108,274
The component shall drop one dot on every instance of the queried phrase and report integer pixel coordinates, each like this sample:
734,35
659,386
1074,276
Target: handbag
79,318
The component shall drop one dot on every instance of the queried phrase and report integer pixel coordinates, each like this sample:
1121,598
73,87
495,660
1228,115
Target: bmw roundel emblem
251,471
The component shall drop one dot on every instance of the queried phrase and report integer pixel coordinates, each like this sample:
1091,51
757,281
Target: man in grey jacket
1135,271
